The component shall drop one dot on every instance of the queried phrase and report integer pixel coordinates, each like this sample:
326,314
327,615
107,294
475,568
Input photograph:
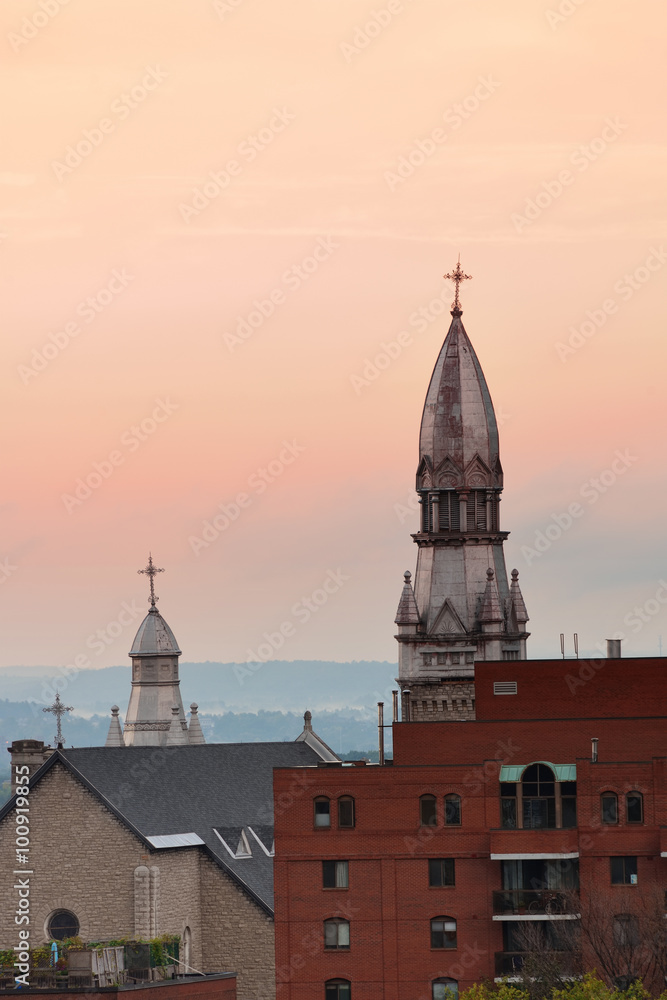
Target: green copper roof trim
563,772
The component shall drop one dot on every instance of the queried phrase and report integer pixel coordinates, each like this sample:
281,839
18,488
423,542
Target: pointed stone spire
408,612
194,730
457,614
115,734
490,612
177,735
517,599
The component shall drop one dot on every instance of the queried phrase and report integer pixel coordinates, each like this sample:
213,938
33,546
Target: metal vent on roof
504,687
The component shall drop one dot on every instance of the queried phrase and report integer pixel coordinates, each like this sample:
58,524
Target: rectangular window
634,808
346,812
623,871
539,814
508,805
440,871
334,874
322,814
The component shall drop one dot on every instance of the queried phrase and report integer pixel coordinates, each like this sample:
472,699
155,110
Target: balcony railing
536,901
509,963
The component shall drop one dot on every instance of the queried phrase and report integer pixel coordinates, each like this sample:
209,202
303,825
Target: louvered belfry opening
441,510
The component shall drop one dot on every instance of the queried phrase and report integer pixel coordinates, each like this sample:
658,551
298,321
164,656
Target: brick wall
389,902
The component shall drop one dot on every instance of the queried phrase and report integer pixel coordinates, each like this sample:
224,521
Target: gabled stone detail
448,475
478,474
448,623
425,474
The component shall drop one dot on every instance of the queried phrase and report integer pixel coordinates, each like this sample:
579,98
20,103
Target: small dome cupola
154,637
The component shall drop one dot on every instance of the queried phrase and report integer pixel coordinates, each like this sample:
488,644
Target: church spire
155,710
461,609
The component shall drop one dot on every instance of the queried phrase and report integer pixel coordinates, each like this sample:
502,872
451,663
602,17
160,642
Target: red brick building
415,879
523,819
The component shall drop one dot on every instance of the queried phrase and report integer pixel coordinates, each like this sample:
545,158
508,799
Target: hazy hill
217,687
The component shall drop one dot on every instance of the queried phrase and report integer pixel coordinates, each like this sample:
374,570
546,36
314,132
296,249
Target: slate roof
158,791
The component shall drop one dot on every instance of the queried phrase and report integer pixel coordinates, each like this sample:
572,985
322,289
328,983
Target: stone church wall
238,935
83,860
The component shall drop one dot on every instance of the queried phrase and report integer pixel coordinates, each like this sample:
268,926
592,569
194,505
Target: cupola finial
150,572
457,276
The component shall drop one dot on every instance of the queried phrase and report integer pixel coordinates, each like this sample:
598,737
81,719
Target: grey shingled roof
196,789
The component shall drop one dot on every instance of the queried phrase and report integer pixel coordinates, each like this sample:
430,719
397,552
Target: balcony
510,963
549,902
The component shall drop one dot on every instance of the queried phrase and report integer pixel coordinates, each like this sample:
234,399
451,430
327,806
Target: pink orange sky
214,216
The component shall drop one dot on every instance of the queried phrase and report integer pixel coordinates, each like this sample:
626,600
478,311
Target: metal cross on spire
150,572
457,276
58,710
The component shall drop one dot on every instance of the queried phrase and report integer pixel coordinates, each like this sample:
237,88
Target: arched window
186,953
445,989
346,811
634,807
452,810
427,810
337,989
322,808
336,933
609,808
538,786
62,924
443,932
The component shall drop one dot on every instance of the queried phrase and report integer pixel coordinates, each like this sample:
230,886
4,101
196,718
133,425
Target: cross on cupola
150,572
58,710
457,276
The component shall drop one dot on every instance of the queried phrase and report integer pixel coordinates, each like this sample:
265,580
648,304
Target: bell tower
155,715
462,607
